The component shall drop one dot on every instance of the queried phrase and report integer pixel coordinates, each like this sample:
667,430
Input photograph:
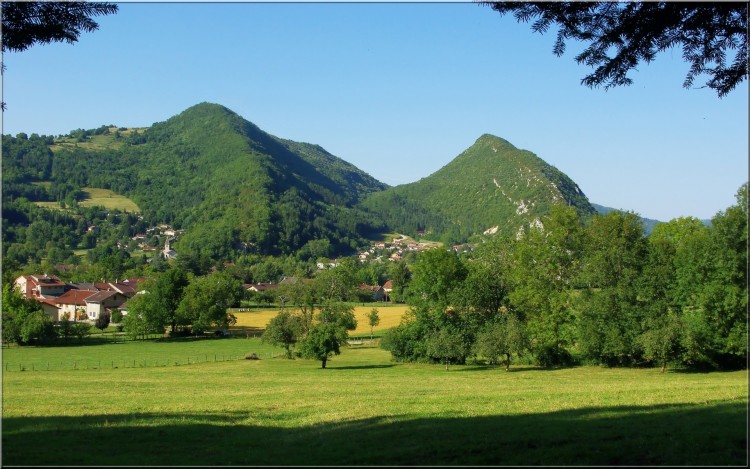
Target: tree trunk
446,365
323,362
663,367
507,362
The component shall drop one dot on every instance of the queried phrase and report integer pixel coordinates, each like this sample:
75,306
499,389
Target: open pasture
364,410
106,198
93,196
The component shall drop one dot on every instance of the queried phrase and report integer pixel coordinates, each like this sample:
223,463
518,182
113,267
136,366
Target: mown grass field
363,409
99,197
254,321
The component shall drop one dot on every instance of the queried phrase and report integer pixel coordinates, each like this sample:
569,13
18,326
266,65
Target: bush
251,356
549,356
116,316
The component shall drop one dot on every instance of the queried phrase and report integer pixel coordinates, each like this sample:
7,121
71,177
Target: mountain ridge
490,187
238,189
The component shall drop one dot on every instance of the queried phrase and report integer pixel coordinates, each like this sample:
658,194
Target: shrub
549,356
116,316
251,356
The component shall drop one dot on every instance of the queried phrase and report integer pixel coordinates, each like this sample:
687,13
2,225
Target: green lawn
362,410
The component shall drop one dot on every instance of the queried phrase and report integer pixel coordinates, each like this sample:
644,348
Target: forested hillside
491,187
234,188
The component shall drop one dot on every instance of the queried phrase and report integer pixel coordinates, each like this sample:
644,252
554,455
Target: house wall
52,311
93,310
21,285
45,290
70,310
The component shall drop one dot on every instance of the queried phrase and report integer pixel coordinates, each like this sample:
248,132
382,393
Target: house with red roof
39,286
71,304
103,301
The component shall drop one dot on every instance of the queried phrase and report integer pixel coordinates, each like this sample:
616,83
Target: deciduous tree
285,329
373,319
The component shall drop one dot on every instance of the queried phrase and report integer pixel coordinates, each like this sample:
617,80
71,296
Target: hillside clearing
93,196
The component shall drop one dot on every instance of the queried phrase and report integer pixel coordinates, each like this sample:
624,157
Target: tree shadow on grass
651,435
359,367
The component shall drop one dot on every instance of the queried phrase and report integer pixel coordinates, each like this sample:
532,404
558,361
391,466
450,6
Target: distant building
168,253
39,286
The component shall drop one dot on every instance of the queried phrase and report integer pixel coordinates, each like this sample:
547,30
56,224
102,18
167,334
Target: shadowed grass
626,435
367,410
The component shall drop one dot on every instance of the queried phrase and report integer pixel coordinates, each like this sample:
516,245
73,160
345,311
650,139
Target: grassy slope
492,183
103,197
365,409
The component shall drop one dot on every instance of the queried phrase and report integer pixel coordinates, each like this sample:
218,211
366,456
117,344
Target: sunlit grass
390,316
93,196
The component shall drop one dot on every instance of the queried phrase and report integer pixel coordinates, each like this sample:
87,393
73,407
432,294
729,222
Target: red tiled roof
73,297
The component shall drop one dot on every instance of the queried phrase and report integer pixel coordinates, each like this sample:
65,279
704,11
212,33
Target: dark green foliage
611,317
502,338
116,316
205,301
23,321
602,293
168,291
447,345
29,23
102,321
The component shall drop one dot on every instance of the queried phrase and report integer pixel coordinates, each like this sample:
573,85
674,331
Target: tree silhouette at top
28,23
623,34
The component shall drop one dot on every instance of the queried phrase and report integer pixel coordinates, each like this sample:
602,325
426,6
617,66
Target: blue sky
397,89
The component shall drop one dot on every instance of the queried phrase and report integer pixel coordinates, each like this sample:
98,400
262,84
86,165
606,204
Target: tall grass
364,409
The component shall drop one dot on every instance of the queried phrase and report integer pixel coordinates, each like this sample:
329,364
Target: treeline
600,292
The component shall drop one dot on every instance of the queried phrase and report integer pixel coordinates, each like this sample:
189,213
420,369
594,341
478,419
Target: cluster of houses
398,247
393,251
77,301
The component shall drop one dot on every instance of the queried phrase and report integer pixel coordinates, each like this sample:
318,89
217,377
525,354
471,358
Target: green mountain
236,189
492,187
230,185
246,187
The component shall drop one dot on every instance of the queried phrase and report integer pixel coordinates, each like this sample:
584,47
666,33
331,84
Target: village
86,301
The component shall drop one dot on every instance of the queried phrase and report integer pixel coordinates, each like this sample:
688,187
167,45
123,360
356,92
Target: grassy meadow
93,196
363,409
